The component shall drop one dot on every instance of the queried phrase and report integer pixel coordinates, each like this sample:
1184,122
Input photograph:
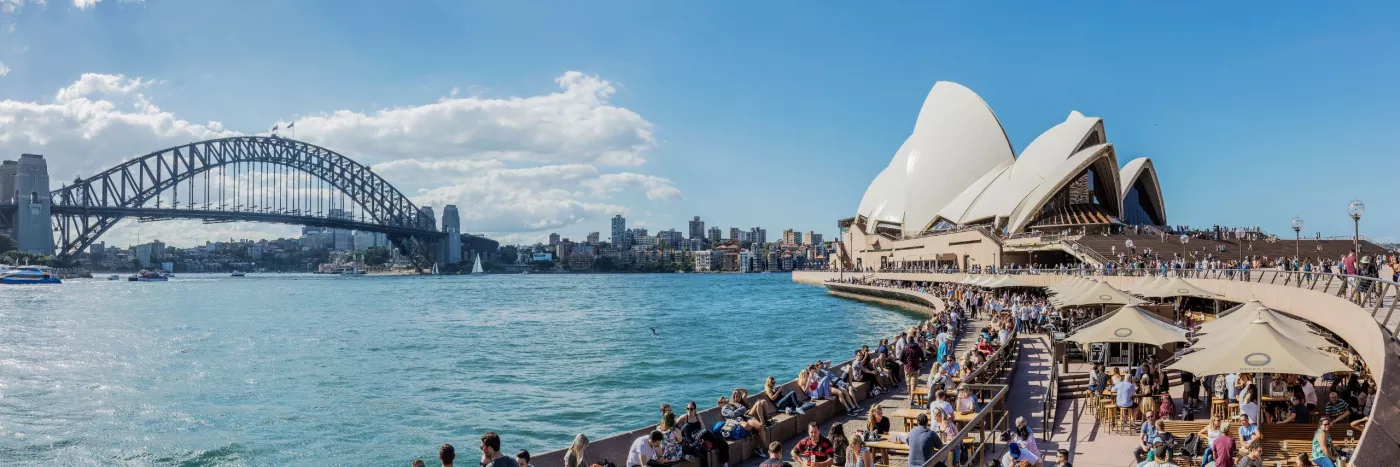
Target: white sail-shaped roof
1142,169
1012,185
956,140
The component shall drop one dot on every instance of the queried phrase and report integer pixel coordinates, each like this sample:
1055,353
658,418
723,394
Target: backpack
1191,447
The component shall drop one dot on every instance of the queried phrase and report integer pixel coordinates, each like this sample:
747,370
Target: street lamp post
1297,240
1184,239
1356,209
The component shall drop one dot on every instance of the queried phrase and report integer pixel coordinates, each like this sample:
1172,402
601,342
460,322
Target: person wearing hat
1015,455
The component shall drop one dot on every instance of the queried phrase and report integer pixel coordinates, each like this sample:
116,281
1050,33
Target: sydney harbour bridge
238,179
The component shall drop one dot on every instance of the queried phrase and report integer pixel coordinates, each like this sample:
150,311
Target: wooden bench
1286,440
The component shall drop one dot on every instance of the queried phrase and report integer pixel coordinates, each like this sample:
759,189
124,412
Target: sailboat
476,266
435,270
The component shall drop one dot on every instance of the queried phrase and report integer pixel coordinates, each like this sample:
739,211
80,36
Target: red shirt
819,451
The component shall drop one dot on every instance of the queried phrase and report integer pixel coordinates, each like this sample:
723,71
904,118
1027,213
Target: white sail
476,267
435,269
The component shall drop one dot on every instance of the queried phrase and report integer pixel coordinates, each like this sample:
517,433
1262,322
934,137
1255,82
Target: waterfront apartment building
812,238
714,236
619,232
592,238
697,228
709,260
790,237
734,235
553,239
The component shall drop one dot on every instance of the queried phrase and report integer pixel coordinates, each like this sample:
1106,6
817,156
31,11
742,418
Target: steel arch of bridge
86,209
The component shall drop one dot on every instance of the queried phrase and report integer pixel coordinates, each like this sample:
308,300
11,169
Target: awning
1173,287
1098,294
1258,347
1006,281
1130,324
1228,325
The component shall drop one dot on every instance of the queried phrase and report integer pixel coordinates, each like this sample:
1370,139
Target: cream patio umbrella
1147,283
1258,347
1068,286
1130,324
1006,281
1227,327
1173,287
1098,294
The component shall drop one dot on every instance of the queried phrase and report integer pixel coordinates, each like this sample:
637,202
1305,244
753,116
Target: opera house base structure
956,199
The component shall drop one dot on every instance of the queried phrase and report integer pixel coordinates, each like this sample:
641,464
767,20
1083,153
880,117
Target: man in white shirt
1309,394
940,402
644,449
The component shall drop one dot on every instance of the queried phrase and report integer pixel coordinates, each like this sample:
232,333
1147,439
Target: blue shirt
1149,432
1125,391
1230,386
1247,432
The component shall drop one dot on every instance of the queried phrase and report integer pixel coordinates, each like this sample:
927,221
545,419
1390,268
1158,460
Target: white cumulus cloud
4,70
516,167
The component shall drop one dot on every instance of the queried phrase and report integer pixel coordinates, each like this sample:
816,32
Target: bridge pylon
24,194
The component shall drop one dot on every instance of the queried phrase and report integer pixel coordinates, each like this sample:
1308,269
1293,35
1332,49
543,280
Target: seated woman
876,422
738,415
948,432
671,441
784,401
966,402
762,410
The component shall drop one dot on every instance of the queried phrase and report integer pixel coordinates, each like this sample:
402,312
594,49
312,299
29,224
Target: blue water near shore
321,370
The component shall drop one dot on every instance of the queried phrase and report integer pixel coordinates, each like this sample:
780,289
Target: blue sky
778,114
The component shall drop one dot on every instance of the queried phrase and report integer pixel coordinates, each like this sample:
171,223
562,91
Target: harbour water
322,370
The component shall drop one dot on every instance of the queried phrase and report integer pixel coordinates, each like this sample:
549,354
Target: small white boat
114,277
237,274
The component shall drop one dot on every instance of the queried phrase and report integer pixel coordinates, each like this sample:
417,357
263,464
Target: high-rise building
760,236
789,238
592,238
734,235
668,239
619,232
697,228
427,211
553,239
450,221
98,251
714,235
812,238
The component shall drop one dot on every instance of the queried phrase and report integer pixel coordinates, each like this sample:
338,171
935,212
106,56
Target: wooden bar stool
1217,409
1234,411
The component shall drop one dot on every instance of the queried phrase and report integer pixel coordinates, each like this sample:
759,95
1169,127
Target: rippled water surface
316,370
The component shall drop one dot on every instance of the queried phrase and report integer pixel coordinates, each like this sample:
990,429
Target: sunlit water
322,370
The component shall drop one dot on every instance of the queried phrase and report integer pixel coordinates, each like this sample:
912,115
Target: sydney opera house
956,191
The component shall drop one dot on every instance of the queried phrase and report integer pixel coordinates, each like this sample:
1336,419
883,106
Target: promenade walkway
1030,387
888,401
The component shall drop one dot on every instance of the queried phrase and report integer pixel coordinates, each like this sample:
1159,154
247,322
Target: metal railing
984,428
1052,397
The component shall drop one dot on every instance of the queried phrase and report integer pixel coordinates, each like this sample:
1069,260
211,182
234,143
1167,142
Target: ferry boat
29,275
148,276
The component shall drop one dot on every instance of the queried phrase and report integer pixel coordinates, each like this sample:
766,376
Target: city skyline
672,127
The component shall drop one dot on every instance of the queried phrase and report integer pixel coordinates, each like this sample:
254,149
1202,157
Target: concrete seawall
614,448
